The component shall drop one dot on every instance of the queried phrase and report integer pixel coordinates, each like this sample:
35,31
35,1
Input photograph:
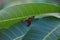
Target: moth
29,20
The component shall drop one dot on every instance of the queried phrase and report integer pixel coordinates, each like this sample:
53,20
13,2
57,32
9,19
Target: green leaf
12,15
47,28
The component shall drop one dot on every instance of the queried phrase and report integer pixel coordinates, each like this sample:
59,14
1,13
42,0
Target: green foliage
14,27
11,15
47,28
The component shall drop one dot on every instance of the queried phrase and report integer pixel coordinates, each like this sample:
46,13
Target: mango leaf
47,28
14,14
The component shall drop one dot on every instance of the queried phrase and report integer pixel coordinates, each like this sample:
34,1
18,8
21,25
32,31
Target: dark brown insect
29,20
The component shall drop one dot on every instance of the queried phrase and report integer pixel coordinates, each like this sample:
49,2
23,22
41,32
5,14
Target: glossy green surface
11,15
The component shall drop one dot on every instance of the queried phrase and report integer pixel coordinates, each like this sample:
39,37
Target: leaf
16,30
44,29
12,15
47,28
50,14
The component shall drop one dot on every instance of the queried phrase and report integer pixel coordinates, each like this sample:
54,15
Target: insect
29,20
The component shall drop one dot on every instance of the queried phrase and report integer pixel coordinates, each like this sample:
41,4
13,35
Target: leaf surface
44,29
12,15
47,28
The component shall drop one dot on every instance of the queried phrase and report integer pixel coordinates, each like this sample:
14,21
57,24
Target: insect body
29,20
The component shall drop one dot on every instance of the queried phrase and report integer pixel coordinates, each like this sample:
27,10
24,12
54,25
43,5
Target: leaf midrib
22,17
54,29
